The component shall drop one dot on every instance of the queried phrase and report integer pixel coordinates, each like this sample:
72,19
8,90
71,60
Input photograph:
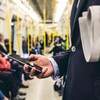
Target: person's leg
18,71
4,87
18,74
9,84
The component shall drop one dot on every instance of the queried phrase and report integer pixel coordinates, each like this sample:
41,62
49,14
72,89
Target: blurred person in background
56,49
12,69
24,45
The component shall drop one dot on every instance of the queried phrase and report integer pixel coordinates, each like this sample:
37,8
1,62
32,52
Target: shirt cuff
56,68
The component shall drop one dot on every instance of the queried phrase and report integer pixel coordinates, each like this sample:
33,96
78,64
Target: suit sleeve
62,61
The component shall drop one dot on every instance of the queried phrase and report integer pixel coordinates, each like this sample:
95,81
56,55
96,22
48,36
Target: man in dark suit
81,75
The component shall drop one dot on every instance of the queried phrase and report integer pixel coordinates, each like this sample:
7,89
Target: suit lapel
74,8
77,13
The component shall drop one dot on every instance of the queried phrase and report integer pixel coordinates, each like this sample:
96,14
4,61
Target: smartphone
23,61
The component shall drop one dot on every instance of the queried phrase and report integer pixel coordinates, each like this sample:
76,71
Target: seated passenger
2,45
10,84
14,64
5,65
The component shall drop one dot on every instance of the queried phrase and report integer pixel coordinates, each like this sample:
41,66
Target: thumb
43,72
33,57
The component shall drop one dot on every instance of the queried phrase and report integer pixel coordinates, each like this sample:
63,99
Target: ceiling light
29,12
48,25
60,7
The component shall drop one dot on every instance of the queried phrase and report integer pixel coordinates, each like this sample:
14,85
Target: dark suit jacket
80,74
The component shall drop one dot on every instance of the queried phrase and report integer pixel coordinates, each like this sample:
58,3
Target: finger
33,57
43,72
26,68
32,73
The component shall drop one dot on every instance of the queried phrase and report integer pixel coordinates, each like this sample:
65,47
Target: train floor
41,89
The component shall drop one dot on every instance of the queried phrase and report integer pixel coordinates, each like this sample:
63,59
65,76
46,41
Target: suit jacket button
73,48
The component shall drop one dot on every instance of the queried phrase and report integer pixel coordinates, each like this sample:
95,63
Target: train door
13,30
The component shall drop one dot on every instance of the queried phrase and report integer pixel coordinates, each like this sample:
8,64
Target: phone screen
24,61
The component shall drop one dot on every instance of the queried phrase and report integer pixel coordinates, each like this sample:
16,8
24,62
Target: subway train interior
32,27
37,27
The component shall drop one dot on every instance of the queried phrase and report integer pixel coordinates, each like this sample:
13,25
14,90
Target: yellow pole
31,32
29,36
53,38
28,30
53,33
28,41
34,28
35,41
54,7
9,25
67,35
44,16
68,40
18,32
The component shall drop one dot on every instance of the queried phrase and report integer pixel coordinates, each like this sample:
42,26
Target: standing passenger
24,45
81,75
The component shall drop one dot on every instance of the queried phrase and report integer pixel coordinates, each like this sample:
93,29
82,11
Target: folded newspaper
90,33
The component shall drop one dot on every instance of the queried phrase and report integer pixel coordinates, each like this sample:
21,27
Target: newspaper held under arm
90,33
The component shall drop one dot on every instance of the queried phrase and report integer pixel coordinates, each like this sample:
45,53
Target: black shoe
18,98
23,86
28,78
21,93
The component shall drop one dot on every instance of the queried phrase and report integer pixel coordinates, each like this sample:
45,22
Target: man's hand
44,63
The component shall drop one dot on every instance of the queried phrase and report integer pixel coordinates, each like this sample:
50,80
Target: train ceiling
52,8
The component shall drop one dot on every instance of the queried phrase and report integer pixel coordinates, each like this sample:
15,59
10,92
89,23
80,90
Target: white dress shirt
56,68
